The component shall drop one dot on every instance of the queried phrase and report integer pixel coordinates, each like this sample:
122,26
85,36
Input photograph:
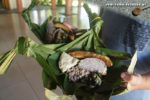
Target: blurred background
121,31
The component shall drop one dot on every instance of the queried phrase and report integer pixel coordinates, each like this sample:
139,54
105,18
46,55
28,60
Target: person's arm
136,81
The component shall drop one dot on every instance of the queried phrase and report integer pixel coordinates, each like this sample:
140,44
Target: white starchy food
93,65
66,62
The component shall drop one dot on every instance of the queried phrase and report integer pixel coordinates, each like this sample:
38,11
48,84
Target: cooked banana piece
86,54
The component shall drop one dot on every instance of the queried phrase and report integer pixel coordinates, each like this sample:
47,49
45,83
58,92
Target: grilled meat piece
93,65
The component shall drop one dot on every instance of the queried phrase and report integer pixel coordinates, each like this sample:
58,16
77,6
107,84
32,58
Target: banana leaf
113,53
5,60
47,82
48,55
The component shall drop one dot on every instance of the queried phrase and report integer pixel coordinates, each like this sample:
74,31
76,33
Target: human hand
136,81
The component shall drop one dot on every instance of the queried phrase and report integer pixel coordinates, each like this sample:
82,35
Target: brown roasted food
66,29
86,54
62,26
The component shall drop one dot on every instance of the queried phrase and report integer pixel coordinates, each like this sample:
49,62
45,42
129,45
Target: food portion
66,62
93,65
57,32
86,54
86,67
81,75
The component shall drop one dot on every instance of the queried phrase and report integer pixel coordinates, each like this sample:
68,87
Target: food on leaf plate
83,66
58,32
76,60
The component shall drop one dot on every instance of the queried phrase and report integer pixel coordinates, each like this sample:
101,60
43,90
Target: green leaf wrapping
49,70
47,82
5,60
71,44
22,45
112,80
48,57
91,15
89,45
45,50
113,53
53,62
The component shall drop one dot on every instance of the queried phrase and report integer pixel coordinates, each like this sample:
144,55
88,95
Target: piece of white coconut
93,65
66,62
